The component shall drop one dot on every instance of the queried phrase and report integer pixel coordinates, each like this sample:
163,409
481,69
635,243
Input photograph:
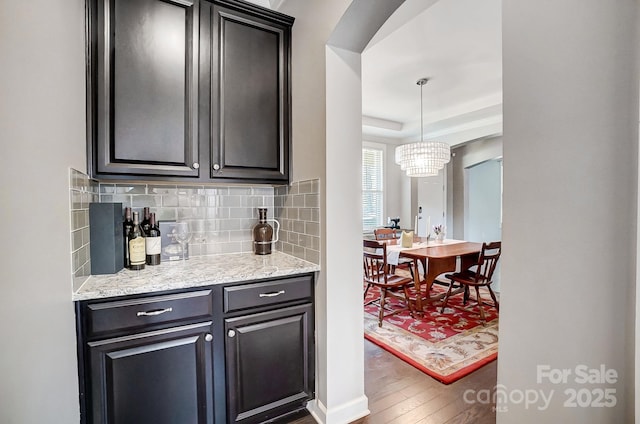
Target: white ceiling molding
370,121
457,44
461,135
377,139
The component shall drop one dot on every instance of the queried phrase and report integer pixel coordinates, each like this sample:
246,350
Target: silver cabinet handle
208,337
216,166
153,313
272,294
231,333
196,165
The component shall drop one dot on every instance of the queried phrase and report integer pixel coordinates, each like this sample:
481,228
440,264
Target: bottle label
136,251
152,245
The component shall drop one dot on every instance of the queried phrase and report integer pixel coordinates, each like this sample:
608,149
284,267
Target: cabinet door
157,377
143,95
269,363
250,96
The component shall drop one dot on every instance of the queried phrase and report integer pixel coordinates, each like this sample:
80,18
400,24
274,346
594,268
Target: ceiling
457,44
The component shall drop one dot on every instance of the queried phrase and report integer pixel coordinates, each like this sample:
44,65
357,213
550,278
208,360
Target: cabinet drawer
267,293
130,314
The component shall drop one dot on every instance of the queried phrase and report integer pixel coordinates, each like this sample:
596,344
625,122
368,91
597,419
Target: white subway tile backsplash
82,191
131,189
222,217
312,228
297,207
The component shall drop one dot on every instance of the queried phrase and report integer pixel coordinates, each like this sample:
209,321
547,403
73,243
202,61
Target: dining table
436,257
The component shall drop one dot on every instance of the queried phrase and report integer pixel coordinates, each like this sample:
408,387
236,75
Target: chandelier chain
423,159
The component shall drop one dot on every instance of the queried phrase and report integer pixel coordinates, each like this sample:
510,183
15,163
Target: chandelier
424,158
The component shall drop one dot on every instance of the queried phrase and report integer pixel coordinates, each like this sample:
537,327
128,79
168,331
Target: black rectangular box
107,239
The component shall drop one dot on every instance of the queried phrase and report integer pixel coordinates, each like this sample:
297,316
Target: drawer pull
272,294
208,337
153,313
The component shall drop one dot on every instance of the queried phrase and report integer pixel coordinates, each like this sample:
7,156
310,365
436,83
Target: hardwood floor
400,394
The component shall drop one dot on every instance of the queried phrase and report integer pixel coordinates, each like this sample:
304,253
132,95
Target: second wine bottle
152,241
136,242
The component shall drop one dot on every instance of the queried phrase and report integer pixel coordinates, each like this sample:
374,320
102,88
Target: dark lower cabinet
147,359
269,363
162,377
227,353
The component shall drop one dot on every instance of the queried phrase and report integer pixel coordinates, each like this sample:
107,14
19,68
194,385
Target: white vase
440,237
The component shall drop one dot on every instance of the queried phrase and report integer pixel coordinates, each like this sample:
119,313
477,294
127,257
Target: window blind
372,188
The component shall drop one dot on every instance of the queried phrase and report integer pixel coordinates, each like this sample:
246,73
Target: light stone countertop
195,272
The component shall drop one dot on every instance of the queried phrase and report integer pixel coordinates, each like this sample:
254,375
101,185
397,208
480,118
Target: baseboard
343,414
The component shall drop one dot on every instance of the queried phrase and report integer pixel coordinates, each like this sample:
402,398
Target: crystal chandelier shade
424,158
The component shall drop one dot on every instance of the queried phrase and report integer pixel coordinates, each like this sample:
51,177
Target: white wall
570,186
345,399
334,134
465,156
398,193
313,25
570,88
42,131
314,22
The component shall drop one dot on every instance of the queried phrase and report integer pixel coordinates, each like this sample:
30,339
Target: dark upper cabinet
250,94
143,87
188,90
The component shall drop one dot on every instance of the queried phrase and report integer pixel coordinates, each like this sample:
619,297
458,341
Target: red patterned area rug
447,346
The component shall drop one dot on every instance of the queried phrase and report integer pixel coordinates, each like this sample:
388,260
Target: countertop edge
197,272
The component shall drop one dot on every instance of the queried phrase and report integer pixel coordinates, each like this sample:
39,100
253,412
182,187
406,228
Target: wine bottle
145,221
152,242
137,257
127,226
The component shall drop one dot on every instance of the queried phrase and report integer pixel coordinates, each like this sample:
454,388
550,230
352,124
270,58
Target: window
372,187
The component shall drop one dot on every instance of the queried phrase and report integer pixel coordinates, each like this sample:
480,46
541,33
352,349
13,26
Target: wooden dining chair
376,273
385,233
391,234
477,276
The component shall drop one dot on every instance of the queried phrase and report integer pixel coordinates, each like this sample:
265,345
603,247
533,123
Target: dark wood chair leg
383,295
446,297
495,300
479,300
408,299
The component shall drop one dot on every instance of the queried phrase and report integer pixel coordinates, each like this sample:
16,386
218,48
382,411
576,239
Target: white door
431,201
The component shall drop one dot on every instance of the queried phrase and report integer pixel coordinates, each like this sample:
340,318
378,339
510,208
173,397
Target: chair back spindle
384,233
